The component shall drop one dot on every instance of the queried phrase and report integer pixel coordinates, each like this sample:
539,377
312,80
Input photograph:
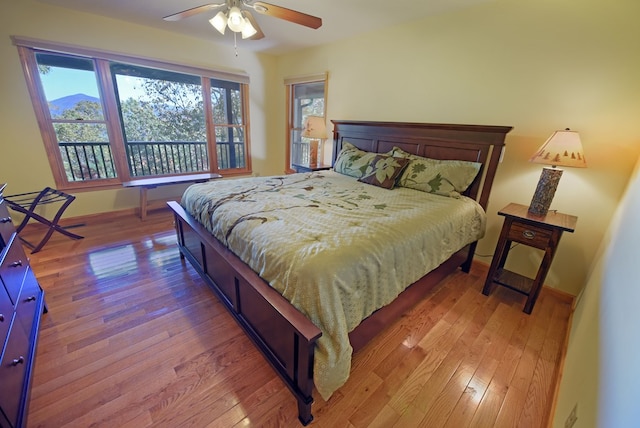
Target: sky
61,82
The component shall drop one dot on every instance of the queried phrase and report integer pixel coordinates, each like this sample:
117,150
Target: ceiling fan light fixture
219,22
235,21
248,31
235,14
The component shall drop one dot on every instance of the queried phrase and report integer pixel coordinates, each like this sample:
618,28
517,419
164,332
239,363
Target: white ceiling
341,18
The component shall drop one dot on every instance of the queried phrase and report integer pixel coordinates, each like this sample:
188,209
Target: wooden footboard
284,336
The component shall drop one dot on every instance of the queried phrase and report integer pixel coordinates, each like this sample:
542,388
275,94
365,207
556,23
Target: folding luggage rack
26,203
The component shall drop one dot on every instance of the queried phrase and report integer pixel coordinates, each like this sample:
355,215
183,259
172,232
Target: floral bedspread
337,249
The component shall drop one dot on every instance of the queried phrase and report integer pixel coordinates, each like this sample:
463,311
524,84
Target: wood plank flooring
134,338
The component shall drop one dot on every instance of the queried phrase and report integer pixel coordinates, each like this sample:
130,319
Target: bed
285,302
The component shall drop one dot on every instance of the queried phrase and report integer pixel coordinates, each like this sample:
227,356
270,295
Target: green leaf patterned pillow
442,177
384,170
447,178
352,161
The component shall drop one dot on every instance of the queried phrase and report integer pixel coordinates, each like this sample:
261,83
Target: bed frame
284,335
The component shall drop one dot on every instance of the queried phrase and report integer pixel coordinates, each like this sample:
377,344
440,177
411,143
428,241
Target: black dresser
21,306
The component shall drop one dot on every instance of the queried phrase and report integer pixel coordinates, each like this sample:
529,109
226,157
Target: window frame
290,84
27,49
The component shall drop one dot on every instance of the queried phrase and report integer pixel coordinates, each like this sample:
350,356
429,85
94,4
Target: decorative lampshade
563,148
314,128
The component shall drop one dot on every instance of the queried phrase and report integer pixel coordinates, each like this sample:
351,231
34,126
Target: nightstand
542,232
308,168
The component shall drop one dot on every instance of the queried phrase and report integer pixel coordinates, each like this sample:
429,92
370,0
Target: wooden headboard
477,143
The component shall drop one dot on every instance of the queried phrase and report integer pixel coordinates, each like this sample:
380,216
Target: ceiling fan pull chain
235,43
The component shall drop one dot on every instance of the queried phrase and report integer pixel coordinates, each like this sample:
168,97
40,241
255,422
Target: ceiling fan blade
193,11
287,14
259,34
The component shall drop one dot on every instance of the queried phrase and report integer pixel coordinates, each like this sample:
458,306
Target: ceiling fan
235,14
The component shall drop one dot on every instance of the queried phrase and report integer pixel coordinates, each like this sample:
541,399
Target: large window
305,97
163,120
106,119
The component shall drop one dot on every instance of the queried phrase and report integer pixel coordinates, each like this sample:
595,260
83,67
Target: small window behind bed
306,96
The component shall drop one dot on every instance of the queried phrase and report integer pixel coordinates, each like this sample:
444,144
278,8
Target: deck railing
153,158
87,161
94,160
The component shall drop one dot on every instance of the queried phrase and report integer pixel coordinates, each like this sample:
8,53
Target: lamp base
321,151
545,191
313,153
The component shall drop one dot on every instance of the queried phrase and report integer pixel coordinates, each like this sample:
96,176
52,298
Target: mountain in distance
58,106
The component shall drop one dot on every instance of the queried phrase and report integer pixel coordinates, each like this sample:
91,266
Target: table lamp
563,148
314,128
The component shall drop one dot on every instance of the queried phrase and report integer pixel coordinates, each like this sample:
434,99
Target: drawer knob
529,234
5,220
19,360
30,299
17,263
1,318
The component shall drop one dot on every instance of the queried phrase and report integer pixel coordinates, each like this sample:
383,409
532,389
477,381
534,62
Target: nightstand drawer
529,235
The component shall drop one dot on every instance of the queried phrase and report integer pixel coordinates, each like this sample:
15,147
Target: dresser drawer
13,267
6,315
13,368
6,225
28,307
529,235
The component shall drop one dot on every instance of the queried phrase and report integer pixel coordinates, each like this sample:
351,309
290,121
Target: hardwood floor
134,338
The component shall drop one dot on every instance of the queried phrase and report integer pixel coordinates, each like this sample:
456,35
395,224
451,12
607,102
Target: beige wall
619,334
23,161
537,66
603,343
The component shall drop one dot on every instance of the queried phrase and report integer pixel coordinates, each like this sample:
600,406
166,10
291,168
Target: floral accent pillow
442,177
384,170
352,161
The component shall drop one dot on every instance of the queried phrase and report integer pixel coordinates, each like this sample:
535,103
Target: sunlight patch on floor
112,262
